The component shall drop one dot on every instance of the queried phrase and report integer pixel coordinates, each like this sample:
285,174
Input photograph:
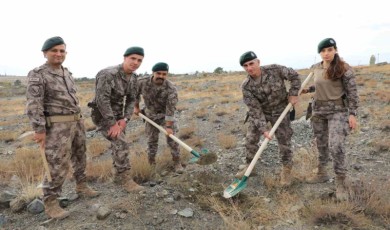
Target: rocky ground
193,200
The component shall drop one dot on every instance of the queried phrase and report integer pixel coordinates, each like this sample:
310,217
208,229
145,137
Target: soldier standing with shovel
54,113
160,98
265,95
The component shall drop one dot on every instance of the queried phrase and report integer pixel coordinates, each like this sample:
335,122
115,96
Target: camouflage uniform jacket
348,82
50,92
160,101
269,94
112,86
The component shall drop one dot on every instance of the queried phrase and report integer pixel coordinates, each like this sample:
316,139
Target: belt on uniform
63,118
330,102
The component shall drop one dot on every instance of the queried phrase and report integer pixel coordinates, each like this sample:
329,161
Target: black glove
292,114
246,117
309,111
143,113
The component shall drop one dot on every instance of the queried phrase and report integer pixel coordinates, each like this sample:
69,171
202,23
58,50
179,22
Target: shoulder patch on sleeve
33,79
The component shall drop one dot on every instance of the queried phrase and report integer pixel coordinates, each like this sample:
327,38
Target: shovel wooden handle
276,125
45,164
41,152
184,145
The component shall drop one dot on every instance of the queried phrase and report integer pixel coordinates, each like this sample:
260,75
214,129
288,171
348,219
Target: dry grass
141,170
99,170
305,163
220,111
182,107
194,142
381,144
12,109
96,147
30,191
9,121
6,171
201,113
243,214
227,141
271,181
8,136
371,196
336,215
186,132
27,165
383,95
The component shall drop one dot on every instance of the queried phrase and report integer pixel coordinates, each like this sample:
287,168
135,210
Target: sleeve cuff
40,129
353,112
169,118
293,92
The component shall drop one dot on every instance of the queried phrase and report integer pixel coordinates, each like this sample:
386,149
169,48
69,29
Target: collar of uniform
322,65
59,72
122,73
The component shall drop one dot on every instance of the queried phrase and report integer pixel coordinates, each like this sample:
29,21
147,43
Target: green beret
327,42
161,66
134,50
247,56
51,42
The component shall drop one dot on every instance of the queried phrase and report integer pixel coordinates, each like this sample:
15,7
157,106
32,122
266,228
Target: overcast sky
190,35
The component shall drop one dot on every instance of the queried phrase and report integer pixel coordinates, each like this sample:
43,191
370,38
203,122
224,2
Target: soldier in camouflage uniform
160,98
266,97
334,112
54,113
112,108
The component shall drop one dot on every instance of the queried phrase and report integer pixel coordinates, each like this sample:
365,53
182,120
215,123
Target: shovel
238,185
203,158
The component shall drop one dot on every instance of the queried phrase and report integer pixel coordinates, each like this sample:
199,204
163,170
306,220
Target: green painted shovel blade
193,160
235,187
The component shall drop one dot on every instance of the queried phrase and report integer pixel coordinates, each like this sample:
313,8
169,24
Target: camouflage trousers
330,132
64,141
283,135
119,151
153,135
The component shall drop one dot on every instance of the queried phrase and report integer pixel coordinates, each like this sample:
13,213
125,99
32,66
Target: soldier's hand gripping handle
40,139
114,131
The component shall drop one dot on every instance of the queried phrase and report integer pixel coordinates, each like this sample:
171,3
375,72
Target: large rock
5,198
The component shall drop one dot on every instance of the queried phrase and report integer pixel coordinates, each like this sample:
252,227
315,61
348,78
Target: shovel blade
235,187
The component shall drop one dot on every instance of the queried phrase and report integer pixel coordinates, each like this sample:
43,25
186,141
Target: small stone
73,197
169,200
103,213
173,212
187,212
